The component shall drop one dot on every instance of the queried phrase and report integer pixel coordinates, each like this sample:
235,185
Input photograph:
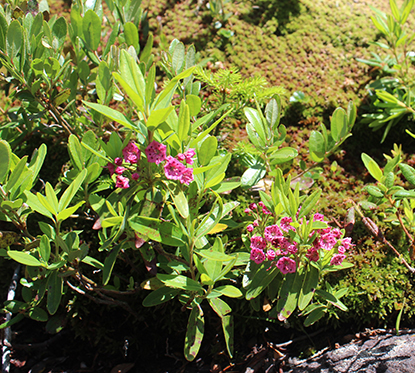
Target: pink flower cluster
174,168
276,242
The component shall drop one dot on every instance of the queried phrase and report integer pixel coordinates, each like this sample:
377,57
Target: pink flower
285,224
336,233
131,153
261,204
337,259
173,169
347,242
265,211
187,176
253,206
111,168
257,242
292,248
189,155
271,232
318,217
255,223
250,228
257,255
122,182
119,170
247,211
271,254
156,152
118,161
286,265
135,176
341,250
312,254
327,241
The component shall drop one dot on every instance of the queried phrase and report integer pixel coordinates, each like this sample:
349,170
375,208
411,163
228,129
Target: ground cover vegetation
189,166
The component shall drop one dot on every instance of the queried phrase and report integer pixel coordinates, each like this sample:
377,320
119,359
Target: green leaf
35,204
70,192
133,77
93,262
272,113
60,29
316,314
308,205
55,289
220,307
44,248
229,291
38,314
180,282
255,128
24,258
131,35
109,264
157,117
103,83
374,191
338,124
16,174
13,320
66,213
51,198
228,331
91,28
261,278
159,296
372,167
178,57
112,114
194,334
207,150
5,156
404,194
253,174
289,293
14,39
210,254
317,146
184,121
309,287
195,104
407,171
283,155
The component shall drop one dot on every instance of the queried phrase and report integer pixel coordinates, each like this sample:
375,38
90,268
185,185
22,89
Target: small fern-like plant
229,86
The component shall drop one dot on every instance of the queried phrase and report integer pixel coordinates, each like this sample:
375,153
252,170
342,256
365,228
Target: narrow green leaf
184,121
70,192
272,113
317,146
55,289
91,28
16,174
228,331
372,167
288,296
207,150
24,258
14,39
309,287
180,282
229,291
13,320
159,296
210,254
44,248
315,315
109,264
308,205
338,124
5,156
407,171
180,201
194,334
51,198
131,34
112,114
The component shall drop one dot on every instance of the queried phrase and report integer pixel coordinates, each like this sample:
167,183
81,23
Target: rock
380,353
